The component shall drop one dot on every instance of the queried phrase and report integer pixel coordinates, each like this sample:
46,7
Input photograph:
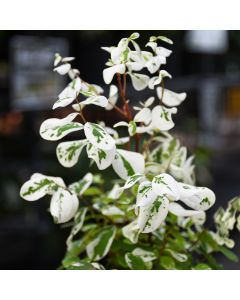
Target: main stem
126,108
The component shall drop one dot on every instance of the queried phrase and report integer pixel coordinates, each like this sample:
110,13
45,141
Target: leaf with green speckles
55,129
68,152
40,185
98,136
82,185
103,158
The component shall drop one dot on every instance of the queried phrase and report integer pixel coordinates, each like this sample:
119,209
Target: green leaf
167,263
132,128
202,267
134,262
101,244
76,248
92,191
229,254
181,257
165,39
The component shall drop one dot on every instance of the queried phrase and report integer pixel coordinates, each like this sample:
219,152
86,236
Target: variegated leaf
165,184
150,217
128,163
162,117
198,198
103,158
63,206
39,185
68,152
69,94
179,211
78,221
82,185
131,231
101,244
55,129
98,136
147,256
134,262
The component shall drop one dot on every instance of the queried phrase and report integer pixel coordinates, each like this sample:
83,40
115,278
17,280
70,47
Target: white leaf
121,123
111,71
69,94
144,129
144,115
170,98
112,210
139,81
98,136
68,152
113,97
67,59
115,192
135,65
107,49
198,198
128,163
154,81
154,63
57,59
131,231
163,51
149,101
40,185
146,256
162,117
96,100
152,45
54,129
122,141
98,89
82,185
151,217
164,184
179,211
103,158
101,244
63,69
63,206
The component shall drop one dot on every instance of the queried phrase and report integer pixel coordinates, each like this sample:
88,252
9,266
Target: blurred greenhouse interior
205,64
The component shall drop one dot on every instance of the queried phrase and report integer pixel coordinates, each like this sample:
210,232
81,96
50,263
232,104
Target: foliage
141,222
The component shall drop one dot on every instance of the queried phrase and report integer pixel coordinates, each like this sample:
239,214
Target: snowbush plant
153,216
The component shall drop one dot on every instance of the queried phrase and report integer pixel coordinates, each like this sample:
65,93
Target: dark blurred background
205,64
